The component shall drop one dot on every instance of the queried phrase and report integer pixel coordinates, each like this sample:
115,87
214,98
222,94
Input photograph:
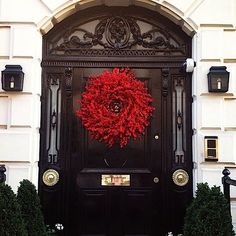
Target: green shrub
208,214
11,222
31,209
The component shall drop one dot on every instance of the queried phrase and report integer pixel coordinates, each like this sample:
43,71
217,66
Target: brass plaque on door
115,180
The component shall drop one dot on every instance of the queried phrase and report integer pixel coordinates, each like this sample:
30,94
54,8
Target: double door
112,191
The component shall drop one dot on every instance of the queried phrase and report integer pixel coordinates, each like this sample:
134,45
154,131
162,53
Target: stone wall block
15,146
22,111
5,41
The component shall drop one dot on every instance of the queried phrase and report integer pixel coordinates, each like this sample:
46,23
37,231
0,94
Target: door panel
120,210
138,207
135,154
93,203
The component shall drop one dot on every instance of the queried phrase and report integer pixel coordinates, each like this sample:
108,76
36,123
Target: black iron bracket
2,174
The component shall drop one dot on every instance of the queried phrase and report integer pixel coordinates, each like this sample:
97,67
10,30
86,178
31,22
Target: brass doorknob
180,177
50,177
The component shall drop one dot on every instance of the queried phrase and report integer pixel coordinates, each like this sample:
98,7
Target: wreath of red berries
115,107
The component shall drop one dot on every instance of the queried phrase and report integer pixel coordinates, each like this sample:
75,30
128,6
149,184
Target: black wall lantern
218,79
12,78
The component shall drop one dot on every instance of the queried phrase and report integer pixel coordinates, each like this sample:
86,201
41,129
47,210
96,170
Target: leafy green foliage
31,209
11,222
208,214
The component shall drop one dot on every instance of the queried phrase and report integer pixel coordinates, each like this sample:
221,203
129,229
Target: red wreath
115,107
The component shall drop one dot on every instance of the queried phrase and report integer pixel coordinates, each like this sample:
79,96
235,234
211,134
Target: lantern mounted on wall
218,79
12,78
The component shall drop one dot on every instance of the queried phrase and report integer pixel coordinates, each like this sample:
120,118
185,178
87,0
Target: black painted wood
140,159
79,201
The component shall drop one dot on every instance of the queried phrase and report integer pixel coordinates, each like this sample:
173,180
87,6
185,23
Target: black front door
134,209
145,187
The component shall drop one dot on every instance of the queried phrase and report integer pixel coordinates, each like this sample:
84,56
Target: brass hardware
156,180
50,177
115,180
156,137
180,177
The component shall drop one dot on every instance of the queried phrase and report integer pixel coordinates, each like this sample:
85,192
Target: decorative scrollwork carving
165,81
116,34
68,78
53,116
179,121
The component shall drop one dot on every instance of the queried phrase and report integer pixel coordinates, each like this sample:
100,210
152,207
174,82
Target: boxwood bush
11,221
31,209
208,214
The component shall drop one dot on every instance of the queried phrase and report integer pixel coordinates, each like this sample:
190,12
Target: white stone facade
212,25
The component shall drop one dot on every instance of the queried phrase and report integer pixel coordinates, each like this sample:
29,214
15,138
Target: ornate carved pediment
116,36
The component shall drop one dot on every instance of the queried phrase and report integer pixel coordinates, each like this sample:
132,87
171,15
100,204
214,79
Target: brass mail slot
115,180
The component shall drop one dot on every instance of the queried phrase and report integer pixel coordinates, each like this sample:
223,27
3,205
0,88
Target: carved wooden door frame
91,38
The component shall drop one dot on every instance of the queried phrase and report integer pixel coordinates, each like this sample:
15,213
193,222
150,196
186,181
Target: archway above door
117,32
163,7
